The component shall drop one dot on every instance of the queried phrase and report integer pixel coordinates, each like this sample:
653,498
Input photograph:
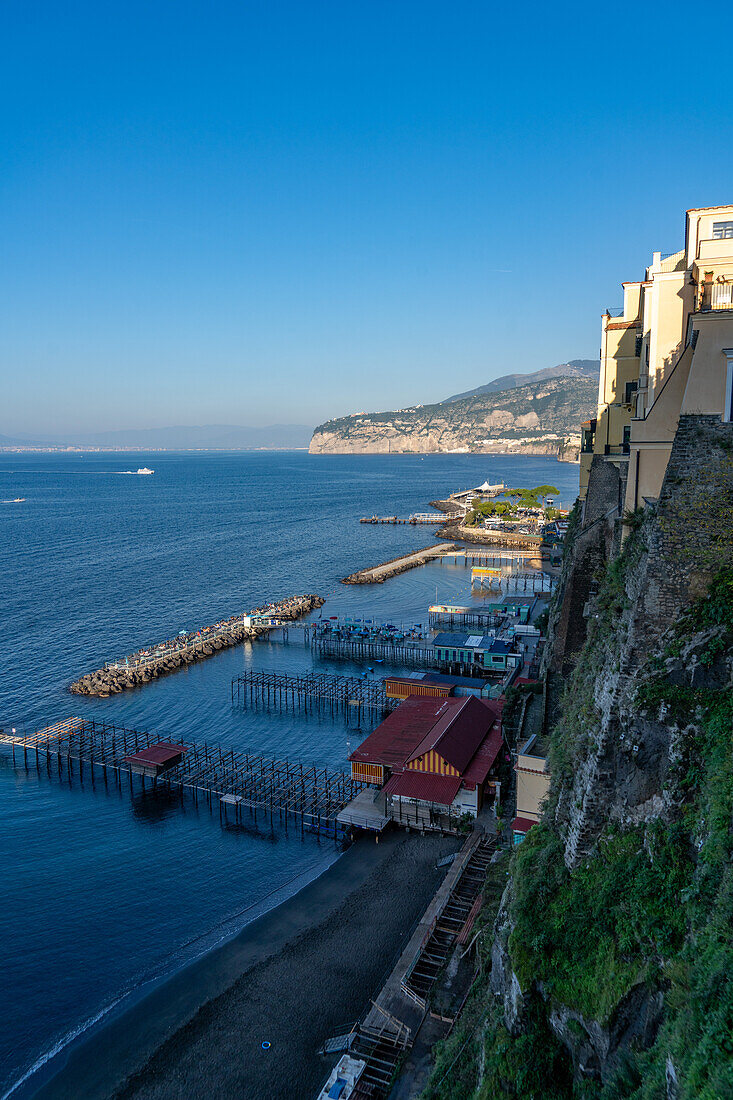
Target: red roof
162,753
455,727
459,732
394,741
430,788
476,772
522,824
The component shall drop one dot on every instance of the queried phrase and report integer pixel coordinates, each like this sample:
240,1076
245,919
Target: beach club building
434,759
476,651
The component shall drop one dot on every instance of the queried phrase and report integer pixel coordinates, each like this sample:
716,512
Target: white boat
145,470
343,1080
16,500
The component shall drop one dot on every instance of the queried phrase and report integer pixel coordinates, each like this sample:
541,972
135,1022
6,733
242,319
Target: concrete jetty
157,660
378,574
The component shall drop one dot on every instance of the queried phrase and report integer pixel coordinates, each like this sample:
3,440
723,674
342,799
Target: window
722,231
626,445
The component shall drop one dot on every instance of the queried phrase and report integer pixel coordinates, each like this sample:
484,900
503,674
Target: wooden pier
417,517
506,559
452,617
355,649
513,582
382,519
311,794
316,690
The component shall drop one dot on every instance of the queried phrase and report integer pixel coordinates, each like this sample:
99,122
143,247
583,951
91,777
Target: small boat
15,500
145,470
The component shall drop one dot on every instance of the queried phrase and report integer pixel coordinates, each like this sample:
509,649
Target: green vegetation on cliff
647,917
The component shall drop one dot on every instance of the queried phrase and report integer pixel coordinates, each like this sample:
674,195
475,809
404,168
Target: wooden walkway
311,793
317,690
353,649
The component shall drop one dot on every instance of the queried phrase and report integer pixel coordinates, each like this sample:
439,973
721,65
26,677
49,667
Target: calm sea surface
102,891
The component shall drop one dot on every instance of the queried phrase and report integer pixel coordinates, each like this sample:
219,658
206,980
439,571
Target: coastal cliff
611,959
539,418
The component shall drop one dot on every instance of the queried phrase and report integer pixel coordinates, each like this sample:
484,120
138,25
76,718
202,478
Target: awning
522,824
425,786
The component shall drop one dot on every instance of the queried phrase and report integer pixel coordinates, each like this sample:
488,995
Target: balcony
718,248
717,296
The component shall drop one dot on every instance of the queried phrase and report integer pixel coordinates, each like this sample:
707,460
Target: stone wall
590,551
680,544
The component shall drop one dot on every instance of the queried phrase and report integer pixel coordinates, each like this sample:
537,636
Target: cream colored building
533,785
669,351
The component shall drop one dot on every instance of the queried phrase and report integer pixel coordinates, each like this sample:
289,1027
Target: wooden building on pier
434,756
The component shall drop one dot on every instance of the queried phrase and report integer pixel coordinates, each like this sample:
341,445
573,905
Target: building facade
533,786
667,352
476,651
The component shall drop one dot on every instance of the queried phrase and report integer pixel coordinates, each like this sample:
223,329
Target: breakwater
153,661
378,574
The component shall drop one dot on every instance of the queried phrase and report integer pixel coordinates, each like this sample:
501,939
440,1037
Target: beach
291,978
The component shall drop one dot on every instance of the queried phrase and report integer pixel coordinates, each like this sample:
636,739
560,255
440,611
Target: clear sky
259,212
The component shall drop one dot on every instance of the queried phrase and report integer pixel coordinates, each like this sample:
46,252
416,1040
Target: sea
106,891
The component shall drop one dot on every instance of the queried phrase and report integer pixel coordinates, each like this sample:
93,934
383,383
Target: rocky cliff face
540,418
612,951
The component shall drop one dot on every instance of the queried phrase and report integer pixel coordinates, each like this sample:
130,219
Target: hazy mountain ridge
575,368
540,417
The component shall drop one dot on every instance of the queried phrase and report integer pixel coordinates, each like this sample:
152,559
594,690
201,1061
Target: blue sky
279,212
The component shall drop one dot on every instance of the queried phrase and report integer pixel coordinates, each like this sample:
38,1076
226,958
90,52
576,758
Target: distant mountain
540,417
576,368
20,441
219,437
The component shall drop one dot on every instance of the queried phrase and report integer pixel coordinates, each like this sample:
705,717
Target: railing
717,296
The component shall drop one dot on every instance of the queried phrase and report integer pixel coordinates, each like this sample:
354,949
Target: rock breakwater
378,574
148,664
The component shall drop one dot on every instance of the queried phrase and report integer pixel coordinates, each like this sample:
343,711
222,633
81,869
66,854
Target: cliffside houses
668,352
434,760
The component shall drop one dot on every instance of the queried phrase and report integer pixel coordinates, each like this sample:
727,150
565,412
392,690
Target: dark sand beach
290,978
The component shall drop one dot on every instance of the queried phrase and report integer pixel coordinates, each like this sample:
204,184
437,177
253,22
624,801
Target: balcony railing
717,296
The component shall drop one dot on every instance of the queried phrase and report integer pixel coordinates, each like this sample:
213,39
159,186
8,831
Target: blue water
100,889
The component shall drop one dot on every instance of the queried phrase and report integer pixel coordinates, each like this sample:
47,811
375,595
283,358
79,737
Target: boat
16,500
343,1079
145,470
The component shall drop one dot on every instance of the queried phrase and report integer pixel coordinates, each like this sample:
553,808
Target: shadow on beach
294,977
